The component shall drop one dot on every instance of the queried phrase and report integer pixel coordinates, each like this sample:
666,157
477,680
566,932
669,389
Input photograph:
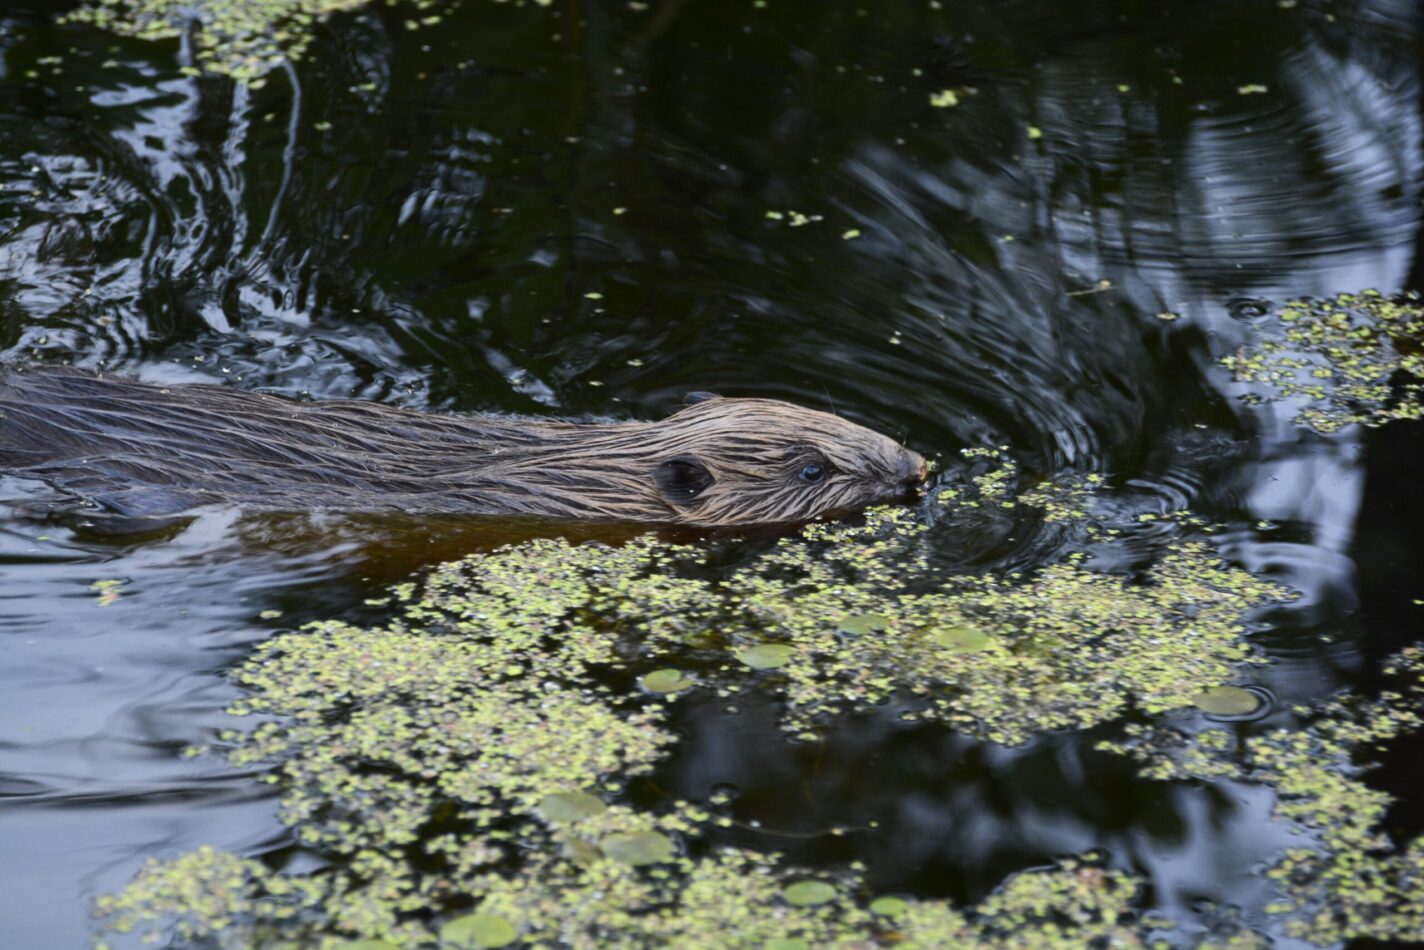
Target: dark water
420,217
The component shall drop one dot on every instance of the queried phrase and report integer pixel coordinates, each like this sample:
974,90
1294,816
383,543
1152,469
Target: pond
1143,665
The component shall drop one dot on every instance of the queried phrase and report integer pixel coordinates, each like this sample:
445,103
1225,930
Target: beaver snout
910,476
913,470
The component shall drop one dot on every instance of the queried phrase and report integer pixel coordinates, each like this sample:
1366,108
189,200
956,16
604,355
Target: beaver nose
912,470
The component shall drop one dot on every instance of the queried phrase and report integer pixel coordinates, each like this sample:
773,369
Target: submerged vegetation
1354,359
463,768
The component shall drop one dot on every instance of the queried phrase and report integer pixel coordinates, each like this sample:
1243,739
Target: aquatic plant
462,766
604,872
1348,882
1354,358
732,898
848,617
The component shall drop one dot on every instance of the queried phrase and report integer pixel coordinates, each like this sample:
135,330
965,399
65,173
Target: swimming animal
141,449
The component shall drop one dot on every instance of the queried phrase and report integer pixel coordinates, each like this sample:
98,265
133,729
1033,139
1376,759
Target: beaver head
758,461
716,463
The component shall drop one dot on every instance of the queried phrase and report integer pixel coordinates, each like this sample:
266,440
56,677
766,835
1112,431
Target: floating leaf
766,656
1228,701
478,930
808,893
963,639
785,943
581,852
666,681
638,847
861,624
364,945
889,906
571,806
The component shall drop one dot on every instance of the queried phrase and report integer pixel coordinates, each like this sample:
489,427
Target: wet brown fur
141,449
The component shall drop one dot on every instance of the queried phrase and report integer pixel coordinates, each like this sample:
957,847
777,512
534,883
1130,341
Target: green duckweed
1347,880
465,760
1353,358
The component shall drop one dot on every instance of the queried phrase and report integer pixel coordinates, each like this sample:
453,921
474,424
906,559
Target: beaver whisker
141,448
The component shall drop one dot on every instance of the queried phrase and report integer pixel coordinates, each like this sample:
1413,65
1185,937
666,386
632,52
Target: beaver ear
682,480
693,399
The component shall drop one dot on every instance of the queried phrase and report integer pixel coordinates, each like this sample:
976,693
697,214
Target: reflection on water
590,211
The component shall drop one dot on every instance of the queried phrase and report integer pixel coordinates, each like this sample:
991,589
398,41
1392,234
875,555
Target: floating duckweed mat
244,39
1347,882
730,899
1356,358
462,766
845,618
604,874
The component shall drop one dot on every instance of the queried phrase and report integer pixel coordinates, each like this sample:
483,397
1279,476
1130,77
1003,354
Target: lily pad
963,639
1228,701
581,852
889,906
808,893
478,931
861,624
785,943
571,806
666,681
638,847
766,656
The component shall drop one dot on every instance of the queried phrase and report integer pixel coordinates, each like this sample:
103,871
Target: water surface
592,209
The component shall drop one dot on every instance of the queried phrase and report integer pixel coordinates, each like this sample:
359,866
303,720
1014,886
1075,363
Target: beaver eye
812,473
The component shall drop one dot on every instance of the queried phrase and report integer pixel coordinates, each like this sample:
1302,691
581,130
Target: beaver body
141,449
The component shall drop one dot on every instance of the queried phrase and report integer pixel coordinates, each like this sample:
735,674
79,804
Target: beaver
139,449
